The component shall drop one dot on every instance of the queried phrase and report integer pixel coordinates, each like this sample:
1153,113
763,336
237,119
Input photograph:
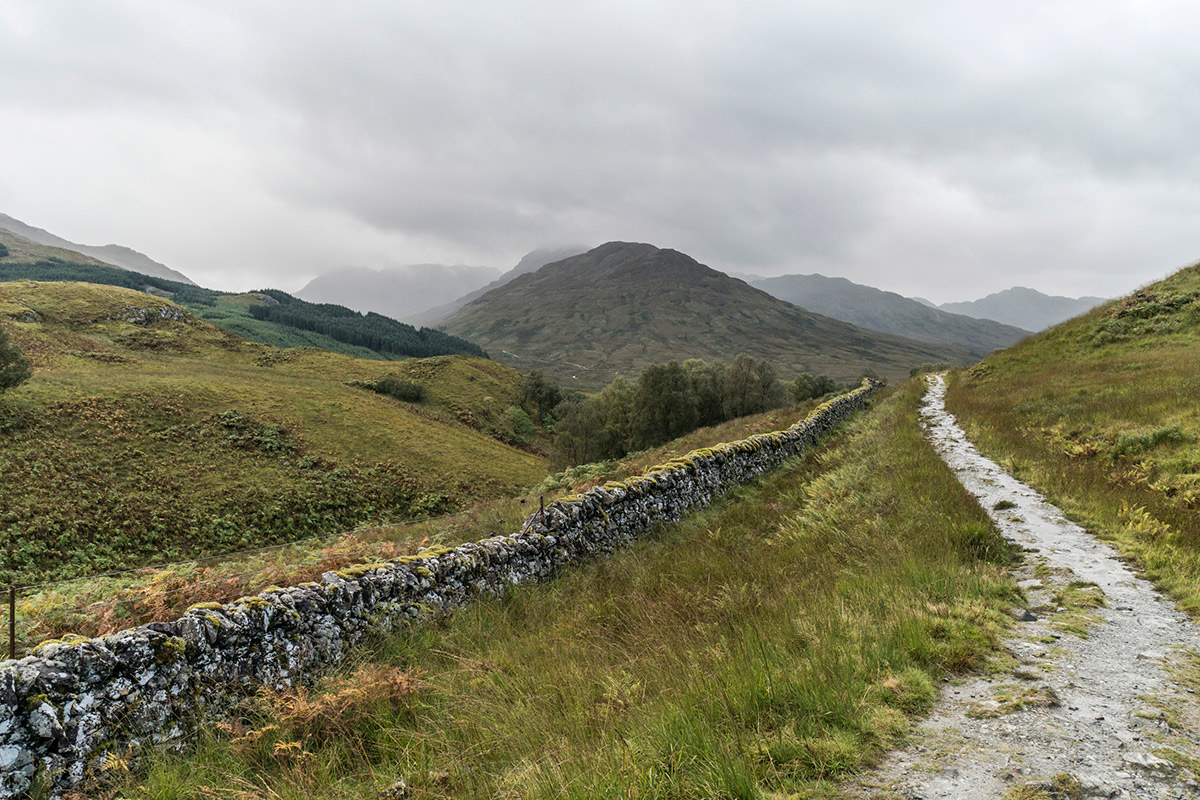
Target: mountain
147,434
115,254
888,312
398,292
530,262
1024,308
617,308
17,249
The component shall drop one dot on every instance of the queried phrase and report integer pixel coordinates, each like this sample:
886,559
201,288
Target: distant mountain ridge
889,312
1024,307
621,306
530,262
114,254
398,292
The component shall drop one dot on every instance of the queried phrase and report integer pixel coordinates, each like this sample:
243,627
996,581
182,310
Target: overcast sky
944,149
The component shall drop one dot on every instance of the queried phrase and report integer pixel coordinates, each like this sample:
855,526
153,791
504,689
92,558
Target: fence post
542,503
12,621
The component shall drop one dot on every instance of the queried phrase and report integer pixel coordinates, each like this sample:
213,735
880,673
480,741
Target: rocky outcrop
77,703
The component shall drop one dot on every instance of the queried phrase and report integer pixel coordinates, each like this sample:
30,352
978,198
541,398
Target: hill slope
114,254
1024,308
148,434
530,262
621,306
889,312
269,316
398,292
1100,413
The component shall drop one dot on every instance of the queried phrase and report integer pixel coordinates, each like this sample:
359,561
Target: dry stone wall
77,703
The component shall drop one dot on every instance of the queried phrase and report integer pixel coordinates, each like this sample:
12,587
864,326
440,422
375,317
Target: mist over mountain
530,262
115,254
398,292
621,306
889,312
1026,308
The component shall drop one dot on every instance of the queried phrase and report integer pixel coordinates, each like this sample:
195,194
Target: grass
1011,698
136,444
767,647
163,593
1061,787
1099,413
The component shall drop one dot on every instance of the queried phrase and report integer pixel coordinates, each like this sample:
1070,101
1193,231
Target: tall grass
771,645
1100,413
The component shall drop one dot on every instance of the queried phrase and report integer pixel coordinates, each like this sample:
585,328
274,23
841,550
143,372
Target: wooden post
542,503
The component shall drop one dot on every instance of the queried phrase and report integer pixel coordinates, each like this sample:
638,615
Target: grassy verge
764,648
1100,414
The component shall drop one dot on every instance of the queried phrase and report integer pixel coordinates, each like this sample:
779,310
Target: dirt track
1093,692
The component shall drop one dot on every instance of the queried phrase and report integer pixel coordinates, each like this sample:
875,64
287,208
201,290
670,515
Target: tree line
665,402
372,331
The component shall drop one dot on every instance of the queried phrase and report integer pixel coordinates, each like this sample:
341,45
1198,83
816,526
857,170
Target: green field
144,441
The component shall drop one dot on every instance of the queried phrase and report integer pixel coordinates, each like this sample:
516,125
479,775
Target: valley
782,641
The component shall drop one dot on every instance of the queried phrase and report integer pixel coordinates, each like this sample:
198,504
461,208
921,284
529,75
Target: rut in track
1098,698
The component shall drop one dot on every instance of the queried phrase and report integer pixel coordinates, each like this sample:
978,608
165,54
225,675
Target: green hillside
148,434
617,308
1100,413
269,316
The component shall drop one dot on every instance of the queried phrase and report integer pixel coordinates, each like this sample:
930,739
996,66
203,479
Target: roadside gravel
1096,697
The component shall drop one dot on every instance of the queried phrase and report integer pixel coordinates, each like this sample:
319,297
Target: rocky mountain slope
621,306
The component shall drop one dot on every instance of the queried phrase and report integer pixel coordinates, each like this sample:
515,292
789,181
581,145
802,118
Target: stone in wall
75,703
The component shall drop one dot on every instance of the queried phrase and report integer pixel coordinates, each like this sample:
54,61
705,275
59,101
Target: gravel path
1097,696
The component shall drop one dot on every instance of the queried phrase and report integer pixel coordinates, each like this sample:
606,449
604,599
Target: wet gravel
1091,690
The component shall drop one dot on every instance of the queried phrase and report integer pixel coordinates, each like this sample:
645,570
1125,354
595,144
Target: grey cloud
937,148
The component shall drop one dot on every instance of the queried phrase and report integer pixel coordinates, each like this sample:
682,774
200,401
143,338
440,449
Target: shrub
518,425
14,367
807,386
539,396
400,389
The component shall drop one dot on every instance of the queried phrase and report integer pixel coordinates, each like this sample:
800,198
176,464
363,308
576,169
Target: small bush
807,386
517,425
400,389
1134,444
14,367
